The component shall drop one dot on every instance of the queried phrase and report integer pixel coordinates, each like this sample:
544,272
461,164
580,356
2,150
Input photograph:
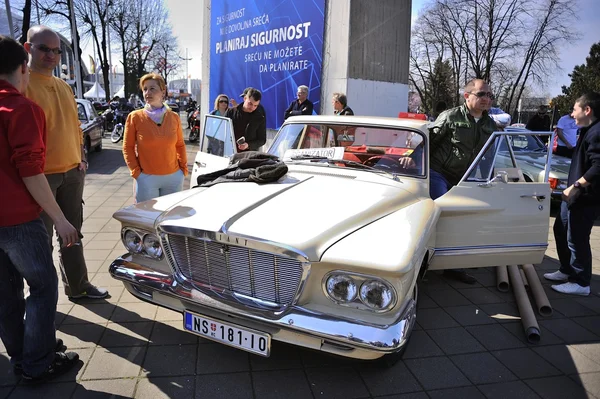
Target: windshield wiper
316,158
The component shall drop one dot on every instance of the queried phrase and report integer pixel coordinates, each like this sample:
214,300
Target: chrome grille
257,274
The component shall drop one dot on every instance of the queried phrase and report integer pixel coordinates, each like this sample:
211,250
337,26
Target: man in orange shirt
65,158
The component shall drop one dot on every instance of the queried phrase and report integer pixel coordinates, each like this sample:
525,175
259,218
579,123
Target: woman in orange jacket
153,144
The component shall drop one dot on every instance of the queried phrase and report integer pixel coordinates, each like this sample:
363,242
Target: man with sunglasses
66,161
456,137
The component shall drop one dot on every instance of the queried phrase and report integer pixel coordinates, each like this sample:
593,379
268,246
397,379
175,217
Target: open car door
494,216
217,146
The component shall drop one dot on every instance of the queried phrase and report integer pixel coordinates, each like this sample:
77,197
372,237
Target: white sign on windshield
330,153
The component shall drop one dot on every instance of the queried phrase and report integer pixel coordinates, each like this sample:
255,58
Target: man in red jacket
24,251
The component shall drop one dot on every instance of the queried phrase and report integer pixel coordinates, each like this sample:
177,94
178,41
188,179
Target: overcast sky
185,17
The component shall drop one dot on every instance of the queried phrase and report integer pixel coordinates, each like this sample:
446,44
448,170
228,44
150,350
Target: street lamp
187,76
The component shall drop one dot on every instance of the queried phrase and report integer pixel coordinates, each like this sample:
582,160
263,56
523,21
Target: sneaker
62,363
572,288
459,275
59,347
556,276
92,293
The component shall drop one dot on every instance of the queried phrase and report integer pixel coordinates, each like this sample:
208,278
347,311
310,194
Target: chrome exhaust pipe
539,295
532,329
502,283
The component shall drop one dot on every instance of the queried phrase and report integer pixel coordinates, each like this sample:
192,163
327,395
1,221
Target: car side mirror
501,176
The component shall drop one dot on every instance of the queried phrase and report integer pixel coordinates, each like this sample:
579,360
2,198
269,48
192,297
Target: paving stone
590,381
123,388
435,318
480,296
556,387
289,384
455,340
436,373
170,360
445,298
126,334
458,393
336,383
219,358
118,362
89,313
381,380
283,356
7,390
469,315
230,386
525,363
571,308
495,337
591,302
421,345
134,312
165,387
482,368
171,333
568,359
164,314
502,312
511,389
547,337
591,350
413,395
80,335
425,302
47,391
569,331
313,358
592,323
104,279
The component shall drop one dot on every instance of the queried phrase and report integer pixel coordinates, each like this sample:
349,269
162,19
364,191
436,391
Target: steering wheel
384,162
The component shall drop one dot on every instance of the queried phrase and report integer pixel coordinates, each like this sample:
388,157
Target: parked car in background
91,124
173,105
530,154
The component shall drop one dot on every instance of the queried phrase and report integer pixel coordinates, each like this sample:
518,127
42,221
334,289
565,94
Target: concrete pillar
366,55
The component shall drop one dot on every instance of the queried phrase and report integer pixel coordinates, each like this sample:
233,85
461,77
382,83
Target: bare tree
166,56
507,42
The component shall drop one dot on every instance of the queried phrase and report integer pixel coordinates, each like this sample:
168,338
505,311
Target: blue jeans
438,185
25,254
152,186
572,229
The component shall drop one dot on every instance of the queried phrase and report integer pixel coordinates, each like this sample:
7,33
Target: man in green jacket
456,137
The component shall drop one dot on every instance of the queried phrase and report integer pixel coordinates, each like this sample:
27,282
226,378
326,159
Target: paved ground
468,343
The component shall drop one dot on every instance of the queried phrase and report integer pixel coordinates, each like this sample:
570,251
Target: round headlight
376,295
152,246
132,241
341,288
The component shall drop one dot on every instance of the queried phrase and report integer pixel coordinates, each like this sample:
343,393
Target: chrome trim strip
488,249
356,334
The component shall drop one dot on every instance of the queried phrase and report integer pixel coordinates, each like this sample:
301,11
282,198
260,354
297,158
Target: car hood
301,212
538,159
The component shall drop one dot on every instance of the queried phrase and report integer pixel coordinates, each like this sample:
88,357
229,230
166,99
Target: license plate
238,337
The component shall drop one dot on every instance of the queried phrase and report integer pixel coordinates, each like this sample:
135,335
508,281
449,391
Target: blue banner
272,45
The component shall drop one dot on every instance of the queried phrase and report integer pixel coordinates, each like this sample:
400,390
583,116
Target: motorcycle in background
118,125
195,126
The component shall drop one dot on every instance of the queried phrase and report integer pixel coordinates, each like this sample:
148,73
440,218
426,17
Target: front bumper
297,326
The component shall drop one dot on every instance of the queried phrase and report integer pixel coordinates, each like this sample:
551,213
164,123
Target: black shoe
59,347
62,363
460,275
91,292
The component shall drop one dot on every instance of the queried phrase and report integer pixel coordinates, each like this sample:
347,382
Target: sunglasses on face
223,100
481,94
45,49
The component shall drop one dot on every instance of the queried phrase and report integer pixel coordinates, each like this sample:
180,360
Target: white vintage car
328,256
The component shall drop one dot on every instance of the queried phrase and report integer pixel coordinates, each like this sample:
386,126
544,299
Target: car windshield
523,143
392,150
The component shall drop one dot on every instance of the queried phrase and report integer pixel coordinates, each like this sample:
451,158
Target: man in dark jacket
540,122
249,122
340,104
456,137
301,106
581,203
